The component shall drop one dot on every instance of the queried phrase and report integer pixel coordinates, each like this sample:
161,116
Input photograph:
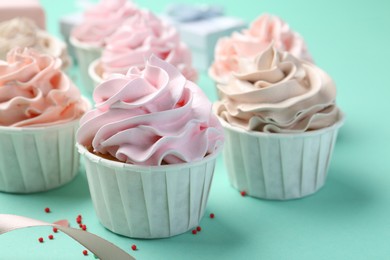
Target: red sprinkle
51,237
80,225
85,252
79,216
198,228
84,227
134,247
243,193
40,240
194,232
212,215
78,220
55,230
47,210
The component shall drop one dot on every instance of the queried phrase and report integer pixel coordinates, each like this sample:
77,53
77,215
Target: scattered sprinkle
243,193
85,252
79,216
55,230
134,247
80,225
78,220
50,237
47,210
212,215
194,232
40,240
198,228
84,227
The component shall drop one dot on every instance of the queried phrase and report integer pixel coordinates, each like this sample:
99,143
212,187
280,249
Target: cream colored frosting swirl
140,36
277,93
102,20
152,116
35,92
250,42
23,32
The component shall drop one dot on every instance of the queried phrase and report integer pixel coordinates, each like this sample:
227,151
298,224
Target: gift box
67,22
200,27
23,8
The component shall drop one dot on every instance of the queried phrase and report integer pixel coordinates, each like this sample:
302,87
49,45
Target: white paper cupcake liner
148,202
85,55
93,72
37,159
278,166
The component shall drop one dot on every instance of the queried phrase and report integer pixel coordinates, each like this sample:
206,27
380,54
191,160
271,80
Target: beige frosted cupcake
23,32
99,22
39,113
150,147
281,123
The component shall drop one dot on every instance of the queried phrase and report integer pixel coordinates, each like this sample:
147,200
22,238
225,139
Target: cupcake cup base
278,166
148,201
37,159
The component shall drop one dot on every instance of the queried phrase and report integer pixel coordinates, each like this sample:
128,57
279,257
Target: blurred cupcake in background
281,122
23,32
40,109
99,22
250,42
140,36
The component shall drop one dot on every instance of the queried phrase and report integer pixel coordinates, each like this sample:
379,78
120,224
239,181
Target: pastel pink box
23,8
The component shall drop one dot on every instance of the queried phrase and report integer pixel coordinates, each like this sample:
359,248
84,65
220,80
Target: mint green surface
348,219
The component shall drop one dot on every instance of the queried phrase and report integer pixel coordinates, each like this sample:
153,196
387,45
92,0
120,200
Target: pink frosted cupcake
39,114
150,147
139,37
249,43
281,123
99,22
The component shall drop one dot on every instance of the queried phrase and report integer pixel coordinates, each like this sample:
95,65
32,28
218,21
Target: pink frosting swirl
139,37
35,92
248,43
102,20
151,117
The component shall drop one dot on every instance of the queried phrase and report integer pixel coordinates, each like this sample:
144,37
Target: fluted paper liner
93,72
149,201
37,158
278,166
85,55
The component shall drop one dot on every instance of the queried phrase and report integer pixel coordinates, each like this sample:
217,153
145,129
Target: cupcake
39,114
150,147
99,22
139,37
281,121
23,32
248,43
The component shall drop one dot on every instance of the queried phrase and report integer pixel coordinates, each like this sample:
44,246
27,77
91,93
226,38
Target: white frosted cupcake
281,123
39,113
99,22
23,32
264,30
150,147
139,37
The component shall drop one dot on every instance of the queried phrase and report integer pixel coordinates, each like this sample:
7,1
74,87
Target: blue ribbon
191,13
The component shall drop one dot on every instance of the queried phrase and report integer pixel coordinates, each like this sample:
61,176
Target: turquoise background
348,219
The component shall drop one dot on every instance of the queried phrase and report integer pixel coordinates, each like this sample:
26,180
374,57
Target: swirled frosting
275,92
152,116
23,32
102,20
139,37
35,92
250,42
